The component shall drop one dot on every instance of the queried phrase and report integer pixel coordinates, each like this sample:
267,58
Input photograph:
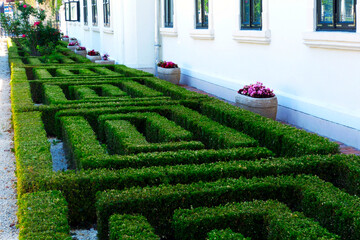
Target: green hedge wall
283,140
259,219
226,234
43,216
131,227
332,208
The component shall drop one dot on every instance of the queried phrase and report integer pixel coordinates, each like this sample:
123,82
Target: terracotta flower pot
81,52
93,58
266,107
170,74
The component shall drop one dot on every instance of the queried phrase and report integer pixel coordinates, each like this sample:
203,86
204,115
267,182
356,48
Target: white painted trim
108,30
95,29
86,28
317,109
259,37
168,32
253,36
330,40
204,34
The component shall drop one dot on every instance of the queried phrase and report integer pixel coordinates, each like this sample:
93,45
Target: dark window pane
199,9
346,11
245,13
206,12
327,11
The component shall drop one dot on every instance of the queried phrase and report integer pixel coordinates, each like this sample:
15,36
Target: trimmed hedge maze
151,160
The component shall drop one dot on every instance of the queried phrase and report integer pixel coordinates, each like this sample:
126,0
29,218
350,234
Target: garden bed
147,154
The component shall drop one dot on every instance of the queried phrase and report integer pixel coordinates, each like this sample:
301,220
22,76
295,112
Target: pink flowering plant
93,53
105,57
73,44
66,36
29,29
165,64
81,49
257,90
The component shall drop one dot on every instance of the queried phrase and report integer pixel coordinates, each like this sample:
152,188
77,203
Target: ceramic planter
66,39
81,52
72,48
105,61
72,41
93,58
170,74
266,107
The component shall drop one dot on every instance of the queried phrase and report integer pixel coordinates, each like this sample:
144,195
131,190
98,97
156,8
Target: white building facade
308,51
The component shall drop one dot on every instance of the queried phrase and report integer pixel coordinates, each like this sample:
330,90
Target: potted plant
93,55
169,71
258,99
81,51
72,46
105,60
73,39
65,38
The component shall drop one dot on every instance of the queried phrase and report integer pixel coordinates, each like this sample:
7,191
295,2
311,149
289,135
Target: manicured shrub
86,71
226,234
105,71
80,92
133,227
40,73
53,94
67,60
79,139
60,72
138,90
109,90
332,208
210,132
282,139
32,150
172,90
34,61
259,219
43,216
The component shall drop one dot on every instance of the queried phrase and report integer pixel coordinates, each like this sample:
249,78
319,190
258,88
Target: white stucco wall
129,39
321,82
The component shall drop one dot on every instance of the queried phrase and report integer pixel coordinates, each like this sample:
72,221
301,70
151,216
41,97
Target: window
336,15
251,11
106,8
72,11
94,12
169,13
202,14
85,12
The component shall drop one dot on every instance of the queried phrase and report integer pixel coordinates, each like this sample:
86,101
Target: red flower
24,6
37,23
23,35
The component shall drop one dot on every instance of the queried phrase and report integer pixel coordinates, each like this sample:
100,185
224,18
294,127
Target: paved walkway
8,207
343,148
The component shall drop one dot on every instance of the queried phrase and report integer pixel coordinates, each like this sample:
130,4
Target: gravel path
8,207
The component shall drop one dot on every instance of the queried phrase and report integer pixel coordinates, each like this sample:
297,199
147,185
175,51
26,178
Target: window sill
202,34
169,32
86,28
332,40
108,31
252,36
95,29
